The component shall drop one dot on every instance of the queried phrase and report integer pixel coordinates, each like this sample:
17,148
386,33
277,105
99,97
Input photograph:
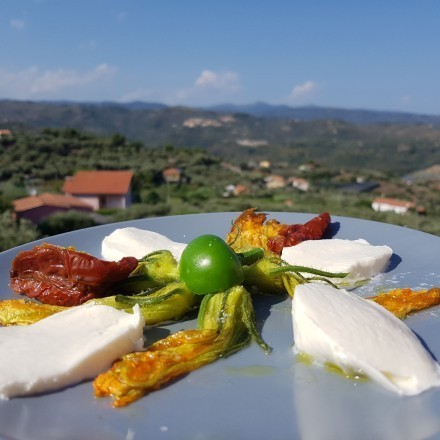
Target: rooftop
394,202
99,182
48,199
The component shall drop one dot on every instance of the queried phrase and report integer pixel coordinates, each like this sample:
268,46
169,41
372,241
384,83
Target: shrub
13,233
141,210
61,222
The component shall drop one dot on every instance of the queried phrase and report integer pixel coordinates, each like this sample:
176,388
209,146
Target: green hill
39,160
392,148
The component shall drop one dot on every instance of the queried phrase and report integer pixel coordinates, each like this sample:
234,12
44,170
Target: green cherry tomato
209,265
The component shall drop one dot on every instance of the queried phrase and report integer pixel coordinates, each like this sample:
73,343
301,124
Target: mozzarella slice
356,257
135,242
66,348
359,336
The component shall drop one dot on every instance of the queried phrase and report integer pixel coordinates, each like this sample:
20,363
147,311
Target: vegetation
64,222
14,233
396,148
39,160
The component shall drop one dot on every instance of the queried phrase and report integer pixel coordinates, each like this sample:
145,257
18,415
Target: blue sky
379,55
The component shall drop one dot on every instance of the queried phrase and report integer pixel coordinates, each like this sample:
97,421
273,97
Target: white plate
249,395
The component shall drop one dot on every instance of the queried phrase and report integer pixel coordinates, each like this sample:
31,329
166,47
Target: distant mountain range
389,141
265,110
310,113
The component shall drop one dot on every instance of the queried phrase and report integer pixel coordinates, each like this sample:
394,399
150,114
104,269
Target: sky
375,54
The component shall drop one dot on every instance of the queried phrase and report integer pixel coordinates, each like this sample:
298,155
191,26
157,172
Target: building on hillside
264,164
381,204
274,181
36,208
101,189
241,190
299,183
236,190
5,133
201,122
172,175
307,167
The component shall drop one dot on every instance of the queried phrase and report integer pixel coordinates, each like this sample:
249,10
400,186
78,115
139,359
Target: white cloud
138,95
218,80
17,23
209,87
54,80
15,83
33,82
303,91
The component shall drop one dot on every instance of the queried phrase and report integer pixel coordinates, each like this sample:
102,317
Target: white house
274,181
101,189
299,183
387,204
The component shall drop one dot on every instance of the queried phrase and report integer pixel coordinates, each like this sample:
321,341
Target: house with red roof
36,208
172,175
383,204
5,133
101,189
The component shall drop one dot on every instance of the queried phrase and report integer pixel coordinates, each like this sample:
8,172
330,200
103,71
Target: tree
118,140
5,203
14,233
61,222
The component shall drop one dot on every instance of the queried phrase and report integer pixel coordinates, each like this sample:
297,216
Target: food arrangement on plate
146,279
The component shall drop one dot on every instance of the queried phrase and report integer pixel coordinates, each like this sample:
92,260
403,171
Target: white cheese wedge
356,257
66,348
359,336
135,242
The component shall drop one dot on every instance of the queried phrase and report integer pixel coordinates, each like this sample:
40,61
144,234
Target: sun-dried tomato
62,276
251,229
290,235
